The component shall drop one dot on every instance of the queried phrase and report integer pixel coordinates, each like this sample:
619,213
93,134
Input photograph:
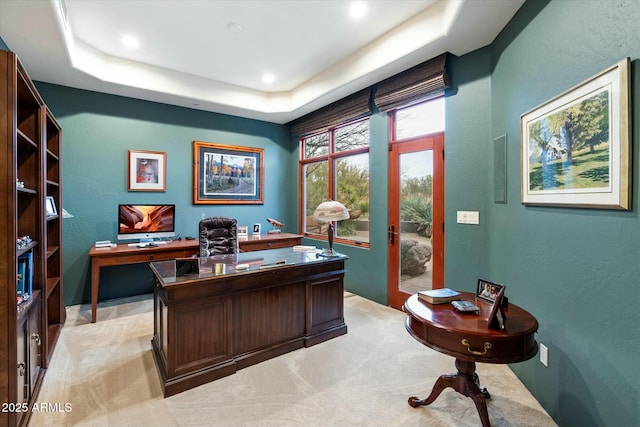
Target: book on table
439,296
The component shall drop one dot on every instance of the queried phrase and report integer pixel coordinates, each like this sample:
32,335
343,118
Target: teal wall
99,129
577,270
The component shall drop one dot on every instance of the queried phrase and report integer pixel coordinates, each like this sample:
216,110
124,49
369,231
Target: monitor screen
146,222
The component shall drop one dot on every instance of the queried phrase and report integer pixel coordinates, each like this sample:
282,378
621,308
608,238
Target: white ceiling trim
424,29
52,54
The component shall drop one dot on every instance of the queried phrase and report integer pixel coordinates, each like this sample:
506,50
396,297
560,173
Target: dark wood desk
124,254
207,325
466,337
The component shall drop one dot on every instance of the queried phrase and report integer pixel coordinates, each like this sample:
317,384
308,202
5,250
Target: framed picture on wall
575,148
147,170
227,174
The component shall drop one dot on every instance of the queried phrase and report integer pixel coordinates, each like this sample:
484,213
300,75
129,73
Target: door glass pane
420,119
416,189
352,182
315,192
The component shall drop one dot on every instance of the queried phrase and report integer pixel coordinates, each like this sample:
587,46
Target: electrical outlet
544,355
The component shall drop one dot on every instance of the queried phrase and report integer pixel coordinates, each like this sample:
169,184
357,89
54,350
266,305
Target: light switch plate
468,217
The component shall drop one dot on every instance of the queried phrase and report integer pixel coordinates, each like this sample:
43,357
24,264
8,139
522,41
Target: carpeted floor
103,374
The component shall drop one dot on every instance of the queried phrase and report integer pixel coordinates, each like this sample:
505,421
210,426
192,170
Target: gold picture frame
227,174
575,148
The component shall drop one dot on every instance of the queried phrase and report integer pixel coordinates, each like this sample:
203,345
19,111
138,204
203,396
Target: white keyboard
145,244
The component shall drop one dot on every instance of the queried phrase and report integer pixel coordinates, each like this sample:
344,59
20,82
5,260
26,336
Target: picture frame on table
243,230
487,291
575,148
147,170
497,318
257,228
227,174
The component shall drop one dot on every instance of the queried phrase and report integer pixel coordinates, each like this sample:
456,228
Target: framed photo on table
227,174
496,317
487,291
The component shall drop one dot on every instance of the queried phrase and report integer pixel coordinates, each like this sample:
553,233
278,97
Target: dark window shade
352,107
423,82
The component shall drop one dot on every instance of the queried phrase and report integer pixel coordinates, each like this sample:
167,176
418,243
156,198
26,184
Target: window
335,165
420,119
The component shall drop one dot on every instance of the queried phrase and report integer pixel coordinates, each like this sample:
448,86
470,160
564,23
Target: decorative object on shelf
243,230
488,291
50,206
256,228
276,225
19,184
24,285
329,212
576,146
23,242
147,170
227,174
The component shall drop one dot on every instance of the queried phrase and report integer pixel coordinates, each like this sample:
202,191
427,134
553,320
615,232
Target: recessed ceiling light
130,42
268,78
234,27
357,9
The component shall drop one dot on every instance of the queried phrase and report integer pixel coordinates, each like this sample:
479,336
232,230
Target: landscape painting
227,174
575,147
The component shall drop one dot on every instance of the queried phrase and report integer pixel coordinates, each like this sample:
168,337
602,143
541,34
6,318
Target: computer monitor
146,222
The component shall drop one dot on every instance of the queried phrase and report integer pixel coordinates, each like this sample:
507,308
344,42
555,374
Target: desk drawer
494,349
259,245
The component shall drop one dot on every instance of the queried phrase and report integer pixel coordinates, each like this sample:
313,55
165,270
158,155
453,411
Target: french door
416,217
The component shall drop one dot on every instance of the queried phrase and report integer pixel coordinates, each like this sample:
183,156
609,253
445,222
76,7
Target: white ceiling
211,54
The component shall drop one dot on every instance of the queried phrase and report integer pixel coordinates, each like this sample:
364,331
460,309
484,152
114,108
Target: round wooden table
466,337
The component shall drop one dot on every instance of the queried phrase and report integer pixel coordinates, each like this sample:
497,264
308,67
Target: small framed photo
147,170
50,206
256,228
488,291
496,318
243,230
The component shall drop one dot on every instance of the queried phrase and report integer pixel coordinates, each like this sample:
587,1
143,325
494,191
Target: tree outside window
335,166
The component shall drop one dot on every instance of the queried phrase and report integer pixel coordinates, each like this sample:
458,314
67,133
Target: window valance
352,107
420,83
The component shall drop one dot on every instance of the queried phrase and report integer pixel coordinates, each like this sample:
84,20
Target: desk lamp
329,212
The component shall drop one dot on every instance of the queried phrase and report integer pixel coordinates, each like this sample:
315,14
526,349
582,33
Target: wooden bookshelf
31,154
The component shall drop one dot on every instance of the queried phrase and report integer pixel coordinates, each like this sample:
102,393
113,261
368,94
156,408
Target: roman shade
417,84
352,107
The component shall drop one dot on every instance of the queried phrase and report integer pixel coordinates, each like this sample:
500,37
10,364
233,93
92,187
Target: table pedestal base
465,382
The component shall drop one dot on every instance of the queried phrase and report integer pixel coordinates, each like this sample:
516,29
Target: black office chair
218,236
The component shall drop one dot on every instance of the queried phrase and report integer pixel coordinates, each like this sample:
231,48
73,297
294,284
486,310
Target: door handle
391,232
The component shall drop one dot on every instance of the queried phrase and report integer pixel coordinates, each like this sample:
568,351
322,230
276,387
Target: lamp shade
330,211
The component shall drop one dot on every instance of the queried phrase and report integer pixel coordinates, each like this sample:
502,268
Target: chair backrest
218,235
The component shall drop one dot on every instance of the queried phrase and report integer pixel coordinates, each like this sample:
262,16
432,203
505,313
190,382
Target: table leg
95,286
465,382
